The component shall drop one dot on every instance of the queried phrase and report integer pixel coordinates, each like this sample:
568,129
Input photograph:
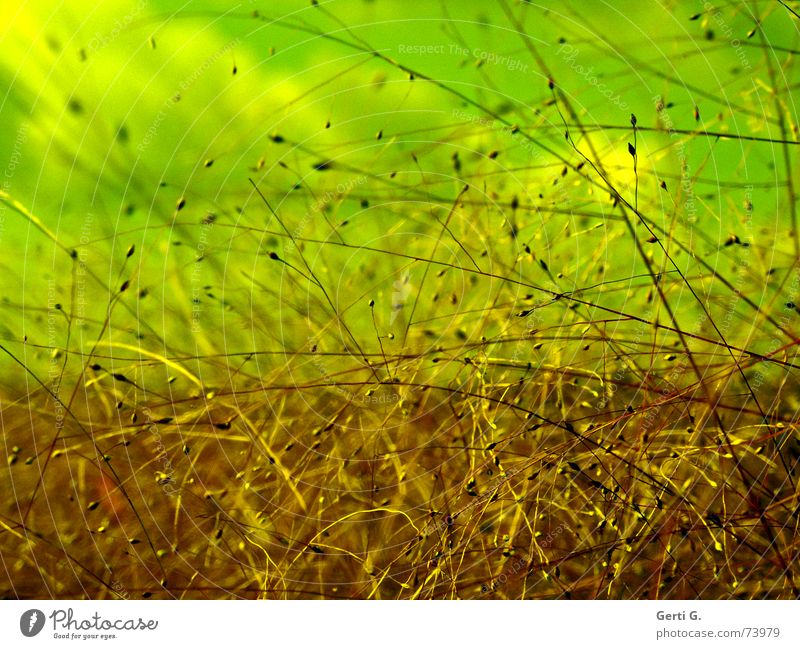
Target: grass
362,302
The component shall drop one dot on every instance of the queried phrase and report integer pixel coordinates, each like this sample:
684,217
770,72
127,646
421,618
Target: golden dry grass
446,344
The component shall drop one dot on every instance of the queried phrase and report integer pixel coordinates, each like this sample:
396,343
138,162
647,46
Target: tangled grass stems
407,328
